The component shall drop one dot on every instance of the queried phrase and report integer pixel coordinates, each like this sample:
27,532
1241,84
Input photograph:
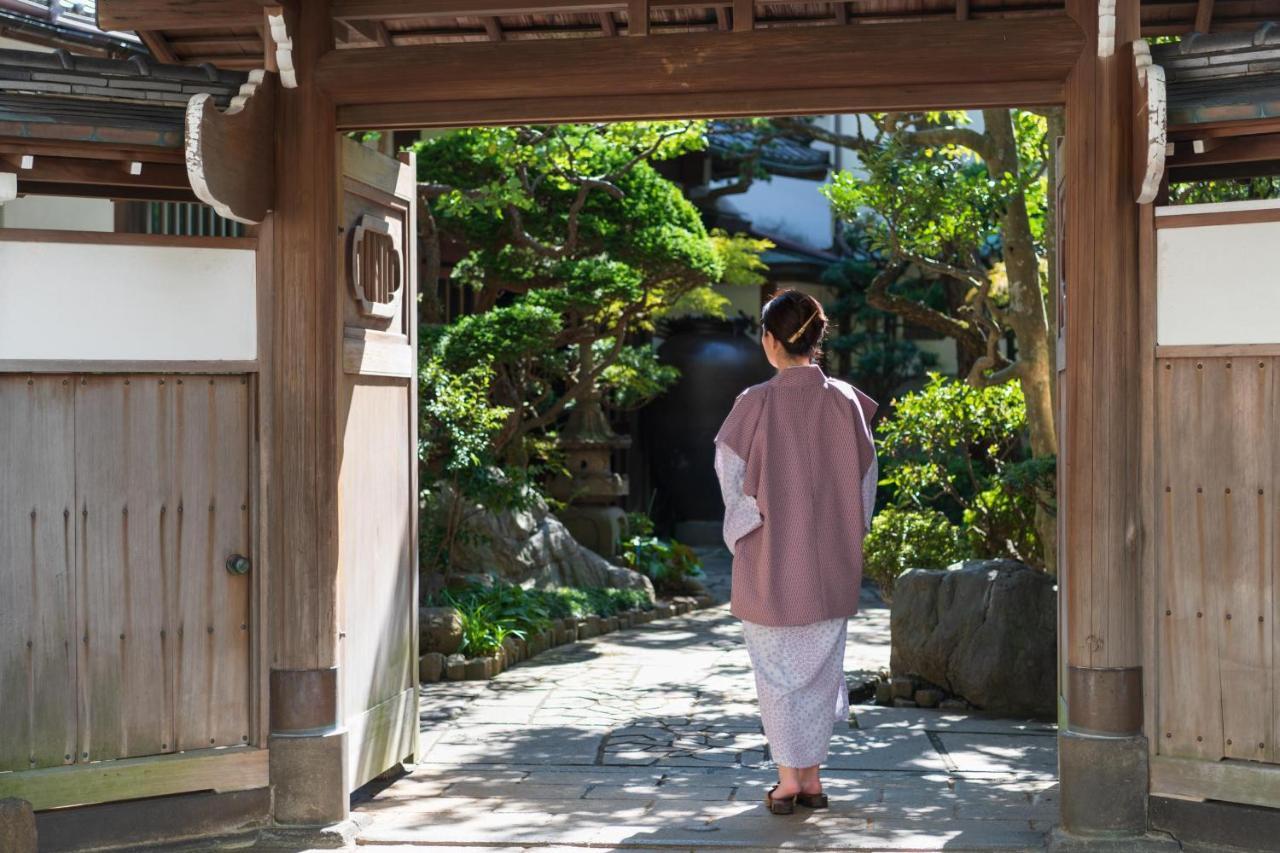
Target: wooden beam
1229,149
962,10
493,28
164,15
1204,16
106,173
235,769
638,18
981,58
374,31
744,16
722,18
504,111
159,48
841,12
607,25
388,9
40,147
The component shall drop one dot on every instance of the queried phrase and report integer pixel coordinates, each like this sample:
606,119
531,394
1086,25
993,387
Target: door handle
238,564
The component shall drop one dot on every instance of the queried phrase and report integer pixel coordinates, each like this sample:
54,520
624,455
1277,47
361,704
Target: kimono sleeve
867,460
738,432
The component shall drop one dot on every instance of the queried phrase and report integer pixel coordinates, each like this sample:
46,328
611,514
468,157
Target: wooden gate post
1103,753
308,741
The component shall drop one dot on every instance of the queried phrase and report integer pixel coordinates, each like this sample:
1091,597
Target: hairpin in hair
800,331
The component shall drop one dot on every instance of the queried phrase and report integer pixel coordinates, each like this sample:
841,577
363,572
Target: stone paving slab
649,739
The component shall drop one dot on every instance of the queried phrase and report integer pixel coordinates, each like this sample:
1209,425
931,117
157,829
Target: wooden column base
309,758
1104,700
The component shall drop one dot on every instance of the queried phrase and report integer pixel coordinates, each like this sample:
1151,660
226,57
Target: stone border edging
436,666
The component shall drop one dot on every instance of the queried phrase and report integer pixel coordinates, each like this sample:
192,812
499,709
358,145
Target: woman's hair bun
796,320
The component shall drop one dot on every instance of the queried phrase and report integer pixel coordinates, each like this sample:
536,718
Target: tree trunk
1026,314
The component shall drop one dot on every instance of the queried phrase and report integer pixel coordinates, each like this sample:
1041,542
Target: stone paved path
649,739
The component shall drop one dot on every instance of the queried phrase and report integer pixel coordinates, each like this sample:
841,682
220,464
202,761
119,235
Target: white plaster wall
1218,284
88,301
61,213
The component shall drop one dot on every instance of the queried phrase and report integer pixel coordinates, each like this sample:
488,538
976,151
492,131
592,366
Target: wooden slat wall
37,551
122,497
1215,468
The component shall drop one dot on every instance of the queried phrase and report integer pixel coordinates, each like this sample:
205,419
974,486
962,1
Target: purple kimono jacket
797,466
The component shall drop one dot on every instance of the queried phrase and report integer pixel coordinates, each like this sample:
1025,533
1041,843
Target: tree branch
878,296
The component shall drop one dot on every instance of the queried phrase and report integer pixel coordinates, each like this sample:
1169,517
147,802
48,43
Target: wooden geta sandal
779,805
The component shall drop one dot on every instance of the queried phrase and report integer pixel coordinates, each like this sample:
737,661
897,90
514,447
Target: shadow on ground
650,738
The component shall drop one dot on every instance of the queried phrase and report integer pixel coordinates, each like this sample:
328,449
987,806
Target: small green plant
492,613
639,524
902,539
667,563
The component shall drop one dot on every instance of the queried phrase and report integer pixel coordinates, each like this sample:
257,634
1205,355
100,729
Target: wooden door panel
122,497
1243,623
1215,557
161,478
210,483
38,642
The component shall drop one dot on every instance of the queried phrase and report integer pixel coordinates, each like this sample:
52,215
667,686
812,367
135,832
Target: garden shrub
492,613
961,451
669,564
902,539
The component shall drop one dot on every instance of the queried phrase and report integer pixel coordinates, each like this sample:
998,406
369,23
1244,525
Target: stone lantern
591,487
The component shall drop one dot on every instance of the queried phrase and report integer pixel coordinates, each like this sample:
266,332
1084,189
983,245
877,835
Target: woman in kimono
797,469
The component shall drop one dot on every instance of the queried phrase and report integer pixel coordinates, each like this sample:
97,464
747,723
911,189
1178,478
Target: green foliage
866,344
1229,189
960,450
456,427
492,613
902,539
636,377
573,242
940,201
575,602
740,257
640,524
669,564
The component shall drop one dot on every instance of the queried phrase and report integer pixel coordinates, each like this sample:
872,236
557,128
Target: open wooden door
377,479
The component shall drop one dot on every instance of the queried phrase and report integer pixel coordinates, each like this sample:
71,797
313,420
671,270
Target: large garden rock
439,630
984,630
533,545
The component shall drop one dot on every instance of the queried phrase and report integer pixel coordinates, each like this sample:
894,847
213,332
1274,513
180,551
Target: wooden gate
124,632
377,483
